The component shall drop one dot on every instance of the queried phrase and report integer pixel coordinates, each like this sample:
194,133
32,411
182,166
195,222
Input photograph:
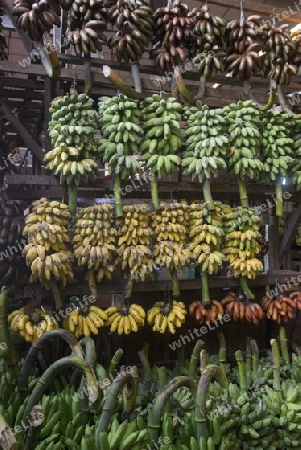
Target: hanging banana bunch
94,243
121,135
278,150
37,17
206,145
296,40
30,323
295,152
125,318
172,34
85,321
243,43
47,253
165,316
244,138
86,23
134,21
3,43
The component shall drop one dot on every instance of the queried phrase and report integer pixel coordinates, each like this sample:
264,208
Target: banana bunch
85,321
241,241
170,225
134,242
243,42
205,316
296,297
125,436
11,242
166,316
296,40
162,134
121,135
3,43
244,138
239,310
31,324
205,236
134,21
73,140
294,151
210,63
85,25
206,142
278,309
124,319
171,35
298,236
278,53
46,253
37,18
94,241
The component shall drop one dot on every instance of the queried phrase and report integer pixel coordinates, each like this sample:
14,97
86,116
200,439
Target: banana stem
243,192
7,350
279,198
272,98
205,290
154,418
162,377
136,76
245,288
276,370
221,339
145,365
72,197
282,100
241,371
203,360
57,295
249,361
211,371
129,288
39,345
115,360
107,354
117,197
201,93
90,358
88,74
120,84
255,358
154,194
7,438
130,392
92,281
283,345
35,428
195,358
181,356
182,87
222,359
175,284
207,194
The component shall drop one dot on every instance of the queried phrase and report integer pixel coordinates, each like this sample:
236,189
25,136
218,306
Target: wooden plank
18,93
22,83
290,233
54,194
48,180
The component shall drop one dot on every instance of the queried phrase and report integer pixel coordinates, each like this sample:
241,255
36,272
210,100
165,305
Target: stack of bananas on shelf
134,240
31,324
46,253
278,51
295,168
86,23
125,319
94,242
85,321
244,138
241,241
134,21
280,308
206,143
166,316
3,43
121,135
171,35
162,134
240,310
72,128
11,243
170,225
205,316
206,236
36,18
243,41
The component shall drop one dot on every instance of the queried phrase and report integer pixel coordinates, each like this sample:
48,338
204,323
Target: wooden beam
21,130
290,233
22,83
19,93
48,180
25,39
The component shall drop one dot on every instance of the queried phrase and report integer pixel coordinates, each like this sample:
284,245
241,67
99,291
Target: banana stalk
222,359
145,365
242,374
35,427
154,418
276,370
243,192
154,194
245,288
7,350
201,93
175,284
255,358
90,357
249,361
7,439
211,371
283,345
120,84
117,196
39,345
130,392
92,282
195,358
182,87
221,339
107,350
203,360
72,197
205,290
57,295
136,76
207,194
115,360
279,197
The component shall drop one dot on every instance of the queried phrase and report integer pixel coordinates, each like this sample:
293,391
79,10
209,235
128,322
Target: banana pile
11,243
134,21
166,316
241,241
278,309
3,43
162,134
72,139
31,324
125,436
36,18
134,240
171,35
205,316
46,253
170,225
85,321
85,25
239,310
124,319
121,135
206,143
94,242
278,53
206,236
295,152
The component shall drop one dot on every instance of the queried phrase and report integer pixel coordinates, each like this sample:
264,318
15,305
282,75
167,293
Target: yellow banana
121,325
